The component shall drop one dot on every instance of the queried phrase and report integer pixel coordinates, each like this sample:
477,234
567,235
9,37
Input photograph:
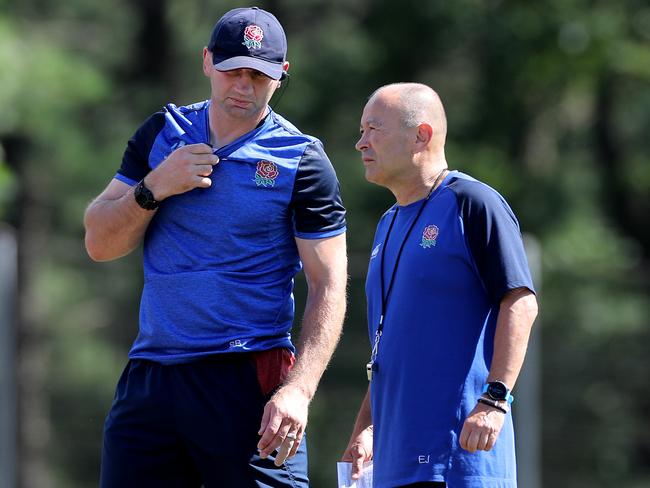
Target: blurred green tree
547,102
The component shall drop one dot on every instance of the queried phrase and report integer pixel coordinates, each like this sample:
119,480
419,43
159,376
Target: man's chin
239,112
371,177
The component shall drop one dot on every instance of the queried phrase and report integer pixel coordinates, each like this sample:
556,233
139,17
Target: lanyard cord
385,297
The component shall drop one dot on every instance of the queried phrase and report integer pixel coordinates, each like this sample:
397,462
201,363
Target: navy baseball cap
249,38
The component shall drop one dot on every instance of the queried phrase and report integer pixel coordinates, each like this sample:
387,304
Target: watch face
497,391
144,197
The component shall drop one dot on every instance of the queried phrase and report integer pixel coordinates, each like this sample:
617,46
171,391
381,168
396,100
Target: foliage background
548,102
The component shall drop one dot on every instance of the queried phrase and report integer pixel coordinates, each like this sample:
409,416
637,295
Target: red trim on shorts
273,366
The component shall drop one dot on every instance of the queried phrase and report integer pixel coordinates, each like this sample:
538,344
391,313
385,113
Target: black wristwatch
144,197
499,391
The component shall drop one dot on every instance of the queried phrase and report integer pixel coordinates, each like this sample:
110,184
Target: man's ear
207,62
423,136
285,72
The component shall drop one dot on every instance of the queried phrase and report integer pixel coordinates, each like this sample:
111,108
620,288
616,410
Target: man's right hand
186,168
359,451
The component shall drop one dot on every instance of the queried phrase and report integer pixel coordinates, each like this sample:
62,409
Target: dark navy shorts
192,425
426,484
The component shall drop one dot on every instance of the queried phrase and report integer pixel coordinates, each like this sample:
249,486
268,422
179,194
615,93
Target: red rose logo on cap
429,236
253,35
266,173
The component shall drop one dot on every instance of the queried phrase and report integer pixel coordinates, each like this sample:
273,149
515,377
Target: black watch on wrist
144,197
499,391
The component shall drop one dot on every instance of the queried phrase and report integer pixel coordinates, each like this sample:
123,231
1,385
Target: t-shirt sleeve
316,204
135,162
494,240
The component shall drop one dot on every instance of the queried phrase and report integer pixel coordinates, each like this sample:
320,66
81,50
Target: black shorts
191,425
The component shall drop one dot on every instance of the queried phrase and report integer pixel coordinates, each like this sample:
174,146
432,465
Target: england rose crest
266,173
429,236
253,35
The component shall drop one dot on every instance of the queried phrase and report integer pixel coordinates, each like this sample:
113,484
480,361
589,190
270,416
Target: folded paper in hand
345,476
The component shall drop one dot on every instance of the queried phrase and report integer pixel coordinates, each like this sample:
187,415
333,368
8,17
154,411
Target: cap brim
272,70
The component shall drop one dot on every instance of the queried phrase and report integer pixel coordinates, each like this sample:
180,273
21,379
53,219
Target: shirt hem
188,357
124,179
320,235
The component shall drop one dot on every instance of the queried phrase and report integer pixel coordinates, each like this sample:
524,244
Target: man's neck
421,185
224,129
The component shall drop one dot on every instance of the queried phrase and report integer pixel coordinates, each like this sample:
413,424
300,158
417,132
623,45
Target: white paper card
345,476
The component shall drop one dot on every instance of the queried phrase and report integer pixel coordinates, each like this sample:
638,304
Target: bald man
450,308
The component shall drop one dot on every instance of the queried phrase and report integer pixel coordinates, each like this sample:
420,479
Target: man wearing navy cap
230,201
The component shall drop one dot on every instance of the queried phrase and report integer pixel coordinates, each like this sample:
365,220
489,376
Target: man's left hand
481,428
283,423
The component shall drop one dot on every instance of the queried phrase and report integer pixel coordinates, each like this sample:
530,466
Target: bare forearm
364,417
516,316
114,227
321,330
325,264
360,445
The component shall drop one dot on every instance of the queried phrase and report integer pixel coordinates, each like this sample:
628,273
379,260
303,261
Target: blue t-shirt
463,254
219,262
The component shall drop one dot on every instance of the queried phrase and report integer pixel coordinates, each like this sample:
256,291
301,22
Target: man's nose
361,144
244,82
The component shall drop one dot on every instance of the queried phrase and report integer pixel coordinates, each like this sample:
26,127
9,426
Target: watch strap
509,398
493,404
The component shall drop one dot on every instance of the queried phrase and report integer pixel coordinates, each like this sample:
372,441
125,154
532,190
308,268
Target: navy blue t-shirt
464,253
219,262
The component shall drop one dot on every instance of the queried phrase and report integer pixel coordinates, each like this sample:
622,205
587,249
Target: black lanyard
372,365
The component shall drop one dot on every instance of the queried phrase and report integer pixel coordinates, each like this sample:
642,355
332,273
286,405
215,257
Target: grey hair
418,103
